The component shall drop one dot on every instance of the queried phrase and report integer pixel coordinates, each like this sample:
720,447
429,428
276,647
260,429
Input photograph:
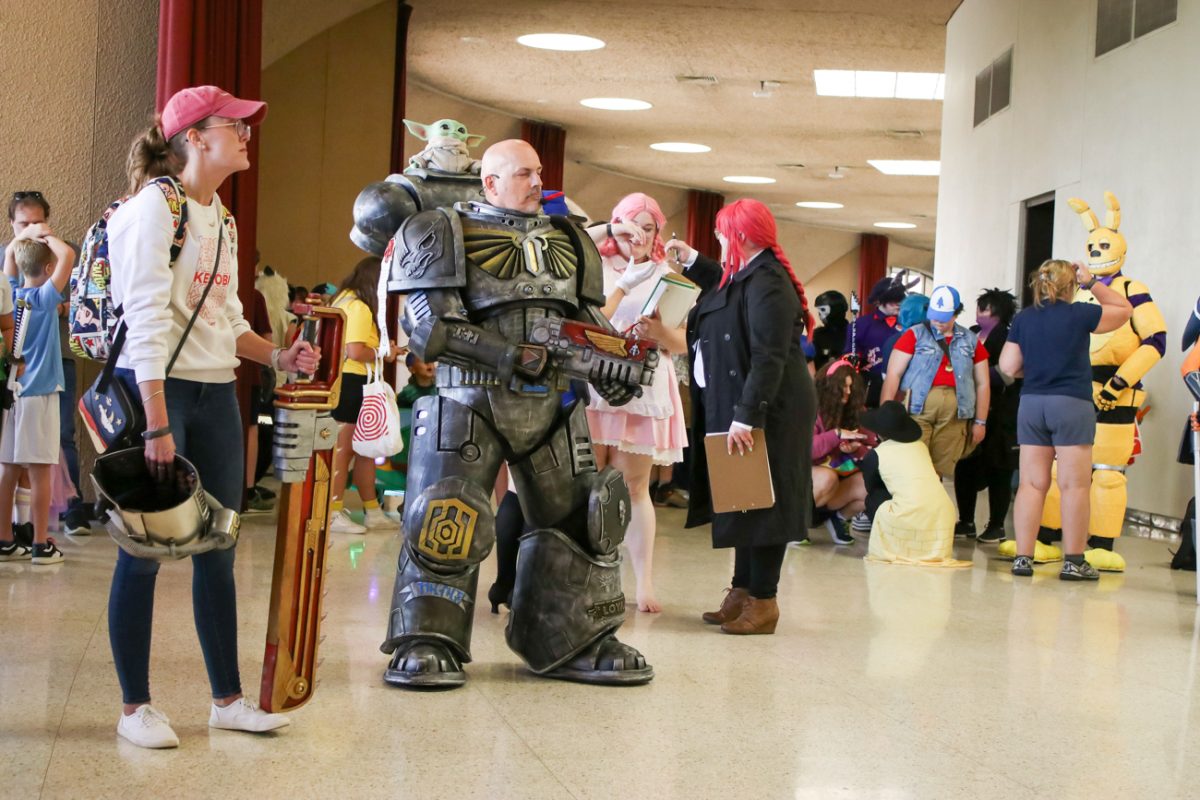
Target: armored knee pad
1108,499
608,512
448,530
564,599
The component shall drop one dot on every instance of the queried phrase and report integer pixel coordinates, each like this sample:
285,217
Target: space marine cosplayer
508,302
1120,361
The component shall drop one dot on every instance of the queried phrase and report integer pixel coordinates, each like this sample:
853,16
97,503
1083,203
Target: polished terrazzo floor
881,682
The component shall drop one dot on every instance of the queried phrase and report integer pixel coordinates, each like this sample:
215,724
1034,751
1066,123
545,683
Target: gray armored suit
487,294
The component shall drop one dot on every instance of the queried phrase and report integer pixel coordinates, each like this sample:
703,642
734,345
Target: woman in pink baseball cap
173,253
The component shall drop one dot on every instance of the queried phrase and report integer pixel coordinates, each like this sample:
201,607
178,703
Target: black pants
510,526
757,569
974,474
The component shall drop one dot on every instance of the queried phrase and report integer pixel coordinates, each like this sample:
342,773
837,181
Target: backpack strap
176,199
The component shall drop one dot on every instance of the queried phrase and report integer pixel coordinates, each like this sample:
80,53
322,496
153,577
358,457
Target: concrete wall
78,85
1078,125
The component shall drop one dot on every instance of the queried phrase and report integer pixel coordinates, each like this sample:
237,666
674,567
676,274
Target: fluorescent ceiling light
680,147
874,83
916,85
906,167
894,225
834,82
560,41
818,204
747,179
615,104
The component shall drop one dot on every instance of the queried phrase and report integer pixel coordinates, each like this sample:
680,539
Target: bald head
512,176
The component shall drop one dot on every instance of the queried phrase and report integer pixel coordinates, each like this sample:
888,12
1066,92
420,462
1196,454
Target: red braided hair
755,221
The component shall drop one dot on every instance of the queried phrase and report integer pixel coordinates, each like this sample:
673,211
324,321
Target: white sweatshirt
158,300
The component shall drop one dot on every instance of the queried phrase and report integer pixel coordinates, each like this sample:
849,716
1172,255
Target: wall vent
1119,22
993,87
697,80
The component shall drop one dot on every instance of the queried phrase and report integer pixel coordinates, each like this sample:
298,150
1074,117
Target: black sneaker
1022,566
14,551
837,530
964,530
47,553
77,521
991,534
23,533
1078,572
256,500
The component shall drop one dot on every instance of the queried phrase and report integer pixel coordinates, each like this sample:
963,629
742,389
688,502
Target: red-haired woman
749,372
649,429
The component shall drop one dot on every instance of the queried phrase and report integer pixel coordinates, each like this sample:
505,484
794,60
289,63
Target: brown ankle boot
758,616
731,607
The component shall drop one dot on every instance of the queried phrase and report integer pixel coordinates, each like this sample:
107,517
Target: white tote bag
377,432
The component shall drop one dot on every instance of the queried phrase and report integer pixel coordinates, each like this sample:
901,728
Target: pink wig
630,206
754,221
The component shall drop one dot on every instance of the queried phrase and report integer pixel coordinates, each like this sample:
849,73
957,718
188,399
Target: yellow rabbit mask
1106,247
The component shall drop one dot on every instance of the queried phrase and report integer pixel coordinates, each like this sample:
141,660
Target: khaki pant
947,437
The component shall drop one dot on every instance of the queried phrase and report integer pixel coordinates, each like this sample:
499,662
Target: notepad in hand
673,297
738,482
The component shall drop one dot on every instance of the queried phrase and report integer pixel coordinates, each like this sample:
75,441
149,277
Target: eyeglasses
240,127
27,196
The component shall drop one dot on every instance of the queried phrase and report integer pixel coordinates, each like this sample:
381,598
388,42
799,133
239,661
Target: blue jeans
66,422
206,426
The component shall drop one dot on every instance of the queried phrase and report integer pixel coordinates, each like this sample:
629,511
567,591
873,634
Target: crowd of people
859,437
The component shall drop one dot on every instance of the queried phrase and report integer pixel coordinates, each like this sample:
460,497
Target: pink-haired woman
648,430
749,371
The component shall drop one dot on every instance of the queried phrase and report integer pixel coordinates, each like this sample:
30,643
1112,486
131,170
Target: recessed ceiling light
894,225
615,104
747,179
471,39
906,167
560,41
680,147
874,83
818,204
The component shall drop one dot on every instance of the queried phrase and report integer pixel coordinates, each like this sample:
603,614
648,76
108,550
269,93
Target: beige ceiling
467,48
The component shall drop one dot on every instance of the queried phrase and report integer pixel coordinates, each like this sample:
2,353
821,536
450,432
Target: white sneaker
245,715
375,518
342,523
147,727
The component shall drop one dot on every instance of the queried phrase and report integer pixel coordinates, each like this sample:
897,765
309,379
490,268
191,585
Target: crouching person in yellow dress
912,516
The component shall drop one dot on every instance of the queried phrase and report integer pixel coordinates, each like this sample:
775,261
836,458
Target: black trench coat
755,373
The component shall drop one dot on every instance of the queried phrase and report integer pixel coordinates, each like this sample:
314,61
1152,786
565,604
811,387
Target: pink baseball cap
188,106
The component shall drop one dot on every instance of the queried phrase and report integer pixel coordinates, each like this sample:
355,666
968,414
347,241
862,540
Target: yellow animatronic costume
1120,360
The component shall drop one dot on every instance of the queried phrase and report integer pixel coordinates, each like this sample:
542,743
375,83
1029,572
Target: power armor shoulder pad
427,253
591,269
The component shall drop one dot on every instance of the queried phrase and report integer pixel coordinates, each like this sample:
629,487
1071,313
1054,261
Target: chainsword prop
302,453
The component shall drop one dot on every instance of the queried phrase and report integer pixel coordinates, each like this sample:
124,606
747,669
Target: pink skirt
661,438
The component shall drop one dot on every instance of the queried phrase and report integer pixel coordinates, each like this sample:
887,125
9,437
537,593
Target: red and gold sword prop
302,453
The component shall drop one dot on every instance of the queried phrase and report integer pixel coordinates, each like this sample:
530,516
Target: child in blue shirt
30,438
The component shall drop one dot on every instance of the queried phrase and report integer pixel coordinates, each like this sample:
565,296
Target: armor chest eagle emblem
504,254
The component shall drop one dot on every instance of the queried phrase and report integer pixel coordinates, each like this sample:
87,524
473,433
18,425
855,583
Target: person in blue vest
942,368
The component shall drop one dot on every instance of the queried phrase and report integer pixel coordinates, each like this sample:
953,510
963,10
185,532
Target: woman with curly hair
838,447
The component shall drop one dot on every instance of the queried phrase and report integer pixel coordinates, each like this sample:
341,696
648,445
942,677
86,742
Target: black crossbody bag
114,417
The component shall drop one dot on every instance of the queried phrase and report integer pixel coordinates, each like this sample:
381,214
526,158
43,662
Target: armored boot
433,606
567,602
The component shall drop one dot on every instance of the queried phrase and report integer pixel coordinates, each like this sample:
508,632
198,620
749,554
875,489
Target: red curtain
702,220
400,87
550,142
219,42
397,162
872,263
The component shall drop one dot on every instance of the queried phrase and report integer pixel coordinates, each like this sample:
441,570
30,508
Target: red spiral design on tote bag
372,419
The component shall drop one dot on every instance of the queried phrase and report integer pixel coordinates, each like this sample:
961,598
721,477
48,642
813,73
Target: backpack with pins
92,319
111,416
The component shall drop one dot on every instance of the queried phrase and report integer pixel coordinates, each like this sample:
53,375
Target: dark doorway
1038,236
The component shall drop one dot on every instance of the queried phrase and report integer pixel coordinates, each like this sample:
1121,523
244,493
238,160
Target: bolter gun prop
302,454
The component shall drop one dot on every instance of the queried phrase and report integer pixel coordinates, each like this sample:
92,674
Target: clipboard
738,482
